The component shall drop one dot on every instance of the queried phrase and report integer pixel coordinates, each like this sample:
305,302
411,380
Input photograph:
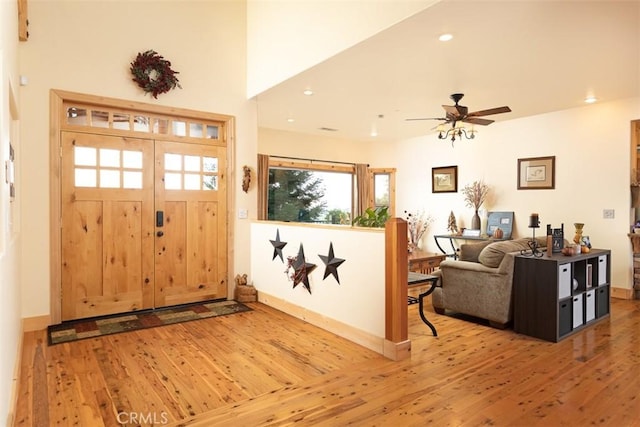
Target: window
383,189
321,191
315,196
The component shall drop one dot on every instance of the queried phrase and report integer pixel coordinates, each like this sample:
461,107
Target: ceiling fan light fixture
445,37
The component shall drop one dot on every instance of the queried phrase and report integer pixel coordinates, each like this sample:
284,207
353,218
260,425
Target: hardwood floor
266,368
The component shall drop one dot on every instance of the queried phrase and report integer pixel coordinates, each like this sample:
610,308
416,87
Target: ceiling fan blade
456,110
427,118
490,111
477,121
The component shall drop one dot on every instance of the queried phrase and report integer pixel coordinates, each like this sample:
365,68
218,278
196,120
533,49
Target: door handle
159,218
160,233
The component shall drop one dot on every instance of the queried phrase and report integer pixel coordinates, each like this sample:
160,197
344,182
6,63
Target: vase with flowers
417,225
474,196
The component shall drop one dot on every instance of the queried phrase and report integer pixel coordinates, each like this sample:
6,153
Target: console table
424,262
454,237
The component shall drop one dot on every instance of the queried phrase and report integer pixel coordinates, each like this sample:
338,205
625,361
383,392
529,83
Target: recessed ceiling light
445,37
590,99
290,120
308,92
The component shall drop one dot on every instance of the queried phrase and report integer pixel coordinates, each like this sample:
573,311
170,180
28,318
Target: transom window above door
79,115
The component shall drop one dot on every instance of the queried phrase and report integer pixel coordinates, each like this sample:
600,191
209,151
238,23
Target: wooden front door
190,249
143,224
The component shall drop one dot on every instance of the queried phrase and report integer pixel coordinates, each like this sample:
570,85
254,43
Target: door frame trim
57,123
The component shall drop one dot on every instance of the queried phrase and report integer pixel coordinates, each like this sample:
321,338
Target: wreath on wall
153,73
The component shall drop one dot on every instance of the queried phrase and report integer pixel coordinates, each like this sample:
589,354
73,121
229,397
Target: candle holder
534,222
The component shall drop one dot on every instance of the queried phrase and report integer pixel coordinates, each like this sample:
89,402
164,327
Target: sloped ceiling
534,56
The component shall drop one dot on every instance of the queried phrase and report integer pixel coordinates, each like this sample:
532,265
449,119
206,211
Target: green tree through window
295,195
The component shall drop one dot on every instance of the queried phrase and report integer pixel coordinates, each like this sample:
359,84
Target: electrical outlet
608,213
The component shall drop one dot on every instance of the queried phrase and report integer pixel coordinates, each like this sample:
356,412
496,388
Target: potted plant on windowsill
372,217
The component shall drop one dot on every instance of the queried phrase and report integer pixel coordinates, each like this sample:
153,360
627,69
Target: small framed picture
444,179
537,173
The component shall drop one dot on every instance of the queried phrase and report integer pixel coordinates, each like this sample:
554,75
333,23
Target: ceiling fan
460,113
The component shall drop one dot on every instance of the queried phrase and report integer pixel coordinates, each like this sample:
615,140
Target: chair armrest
467,266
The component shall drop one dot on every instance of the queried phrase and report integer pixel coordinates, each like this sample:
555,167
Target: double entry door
143,224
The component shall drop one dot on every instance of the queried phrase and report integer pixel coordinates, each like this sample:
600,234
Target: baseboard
621,293
343,330
15,382
36,323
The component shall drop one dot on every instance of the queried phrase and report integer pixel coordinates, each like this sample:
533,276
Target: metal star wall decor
277,246
302,270
331,264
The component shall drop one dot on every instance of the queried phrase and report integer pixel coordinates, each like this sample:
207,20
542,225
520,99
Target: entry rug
113,324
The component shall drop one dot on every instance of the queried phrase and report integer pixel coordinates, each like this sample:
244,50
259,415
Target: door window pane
132,179
109,158
212,132
191,181
132,159
172,162
192,163
210,164
141,124
121,121
195,130
84,156
85,178
210,182
172,181
109,178
179,128
100,119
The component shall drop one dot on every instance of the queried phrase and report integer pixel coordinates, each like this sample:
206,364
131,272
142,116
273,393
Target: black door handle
159,218
160,233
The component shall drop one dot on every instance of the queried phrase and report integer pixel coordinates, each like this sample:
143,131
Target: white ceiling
533,56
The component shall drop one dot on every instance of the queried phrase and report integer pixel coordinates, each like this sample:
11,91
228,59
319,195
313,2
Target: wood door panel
107,233
187,258
191,259
81,255
122,247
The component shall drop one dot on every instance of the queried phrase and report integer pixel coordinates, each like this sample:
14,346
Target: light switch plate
243,213
608,213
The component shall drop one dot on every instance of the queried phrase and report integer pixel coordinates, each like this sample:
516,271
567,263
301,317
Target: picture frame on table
444,179
537,173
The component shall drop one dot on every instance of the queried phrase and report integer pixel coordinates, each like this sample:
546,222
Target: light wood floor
266,368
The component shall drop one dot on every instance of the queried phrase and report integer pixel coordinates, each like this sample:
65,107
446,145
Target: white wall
10,283
293,144
87,47
276,51
591,145
357,301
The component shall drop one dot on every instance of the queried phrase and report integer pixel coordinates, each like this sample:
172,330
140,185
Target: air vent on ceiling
328,129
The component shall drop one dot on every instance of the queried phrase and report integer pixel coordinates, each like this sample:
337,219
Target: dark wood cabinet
556,296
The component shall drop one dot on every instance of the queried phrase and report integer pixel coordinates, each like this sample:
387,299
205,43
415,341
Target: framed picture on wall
537,173
444,179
